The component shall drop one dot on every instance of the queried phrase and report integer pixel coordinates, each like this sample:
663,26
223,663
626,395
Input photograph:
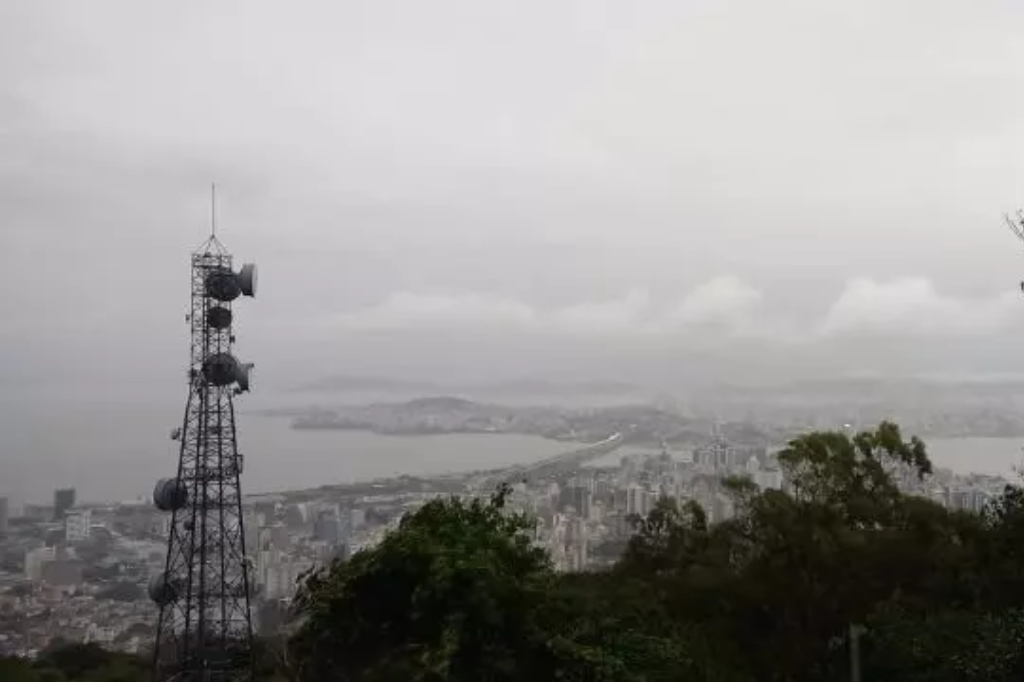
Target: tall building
160,526
769,479
327,527
580,498
638,501
63,500
297,514
4,514
77,525
267,555
254,520
577,545
277,580
280,537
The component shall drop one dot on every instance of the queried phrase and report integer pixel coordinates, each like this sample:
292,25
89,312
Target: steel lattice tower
204,631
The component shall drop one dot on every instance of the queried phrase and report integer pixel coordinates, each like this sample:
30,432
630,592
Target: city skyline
89,568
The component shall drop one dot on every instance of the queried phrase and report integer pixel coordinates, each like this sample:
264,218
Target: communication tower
204,630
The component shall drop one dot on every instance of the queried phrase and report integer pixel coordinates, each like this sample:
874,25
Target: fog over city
666,193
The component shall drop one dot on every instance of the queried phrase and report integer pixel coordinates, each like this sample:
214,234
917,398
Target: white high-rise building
768,479
276,580
577,544
267,555
77,525
639,501
282,577
161,525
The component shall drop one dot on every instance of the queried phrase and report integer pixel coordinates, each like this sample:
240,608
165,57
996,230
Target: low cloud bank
726,306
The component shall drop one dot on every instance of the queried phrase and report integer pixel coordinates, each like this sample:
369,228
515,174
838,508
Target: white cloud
405,310
724,300
619,315
721,308
911,306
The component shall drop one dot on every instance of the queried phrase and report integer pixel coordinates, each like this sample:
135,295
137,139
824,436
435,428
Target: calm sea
109,451
979,455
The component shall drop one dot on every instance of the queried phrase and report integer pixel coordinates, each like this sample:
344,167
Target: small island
448,415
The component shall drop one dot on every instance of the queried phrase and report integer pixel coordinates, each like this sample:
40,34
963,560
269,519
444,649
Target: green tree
610,626
449,595
853,475
17,670
89,663
784,579
949,646
667,540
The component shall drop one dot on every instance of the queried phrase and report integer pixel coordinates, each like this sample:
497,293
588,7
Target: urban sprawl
78,572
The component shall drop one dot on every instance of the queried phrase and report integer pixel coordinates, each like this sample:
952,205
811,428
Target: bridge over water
564,463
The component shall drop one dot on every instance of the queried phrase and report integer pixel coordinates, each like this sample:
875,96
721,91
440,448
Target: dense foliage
458,592
76,663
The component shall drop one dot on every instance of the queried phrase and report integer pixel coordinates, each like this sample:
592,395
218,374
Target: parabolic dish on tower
247,280
223,369
163,589
224,285
218,317
169,494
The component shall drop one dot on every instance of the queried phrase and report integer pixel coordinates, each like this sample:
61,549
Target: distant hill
534,387
543,387
439,404
349,382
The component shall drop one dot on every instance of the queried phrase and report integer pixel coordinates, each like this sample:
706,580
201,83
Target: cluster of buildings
78,572
71,573
973,492
284,541
585,519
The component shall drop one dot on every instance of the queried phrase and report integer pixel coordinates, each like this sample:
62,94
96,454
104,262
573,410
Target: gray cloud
722,308
577,176
913,306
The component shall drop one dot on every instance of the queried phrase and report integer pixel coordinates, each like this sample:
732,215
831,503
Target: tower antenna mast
204,628
1016,226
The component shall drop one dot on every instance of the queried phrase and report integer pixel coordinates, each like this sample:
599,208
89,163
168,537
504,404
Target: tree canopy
457,592
76,663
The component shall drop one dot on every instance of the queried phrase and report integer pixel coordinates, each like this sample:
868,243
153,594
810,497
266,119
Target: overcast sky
662,189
